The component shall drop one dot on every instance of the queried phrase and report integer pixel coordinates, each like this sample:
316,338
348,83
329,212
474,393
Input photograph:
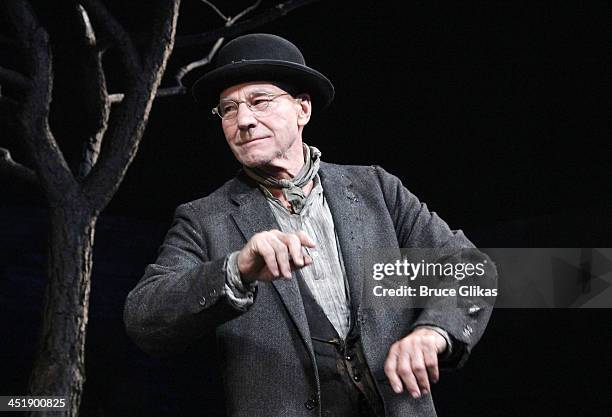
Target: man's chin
261,160
256,162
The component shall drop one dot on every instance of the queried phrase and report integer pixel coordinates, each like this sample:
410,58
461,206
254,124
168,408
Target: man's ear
305,108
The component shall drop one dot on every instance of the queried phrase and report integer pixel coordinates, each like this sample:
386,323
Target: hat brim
206,90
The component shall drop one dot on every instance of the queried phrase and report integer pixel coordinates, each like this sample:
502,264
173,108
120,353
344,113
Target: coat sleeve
464,318
182,295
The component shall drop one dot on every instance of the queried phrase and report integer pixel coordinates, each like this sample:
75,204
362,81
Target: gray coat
266,353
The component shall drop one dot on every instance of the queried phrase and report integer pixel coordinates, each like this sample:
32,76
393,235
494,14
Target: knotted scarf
292,189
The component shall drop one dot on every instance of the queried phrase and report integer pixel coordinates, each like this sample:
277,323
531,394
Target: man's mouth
246,142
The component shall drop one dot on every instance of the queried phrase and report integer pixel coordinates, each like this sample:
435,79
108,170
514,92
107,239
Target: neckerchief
292,189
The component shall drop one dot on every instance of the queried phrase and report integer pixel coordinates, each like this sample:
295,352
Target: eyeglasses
258,103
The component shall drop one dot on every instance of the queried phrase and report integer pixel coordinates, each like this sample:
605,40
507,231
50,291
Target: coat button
474,309
203,301
310,404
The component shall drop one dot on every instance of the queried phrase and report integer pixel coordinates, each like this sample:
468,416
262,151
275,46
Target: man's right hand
271,255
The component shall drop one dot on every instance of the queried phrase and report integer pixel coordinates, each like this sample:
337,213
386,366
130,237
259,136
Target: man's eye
260,103
228,108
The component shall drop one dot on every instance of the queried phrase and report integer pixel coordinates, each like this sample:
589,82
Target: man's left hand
412,362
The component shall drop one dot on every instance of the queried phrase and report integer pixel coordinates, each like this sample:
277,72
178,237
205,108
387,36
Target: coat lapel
345,207
253,216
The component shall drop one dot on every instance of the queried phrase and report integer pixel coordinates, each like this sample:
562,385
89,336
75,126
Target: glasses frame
271,97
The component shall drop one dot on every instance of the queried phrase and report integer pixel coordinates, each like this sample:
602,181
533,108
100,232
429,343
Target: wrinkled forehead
241,91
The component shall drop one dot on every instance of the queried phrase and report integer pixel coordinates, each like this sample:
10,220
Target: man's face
272,138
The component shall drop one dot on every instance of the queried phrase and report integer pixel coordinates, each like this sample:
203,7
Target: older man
270,261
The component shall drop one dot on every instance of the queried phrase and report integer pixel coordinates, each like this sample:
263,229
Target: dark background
496,114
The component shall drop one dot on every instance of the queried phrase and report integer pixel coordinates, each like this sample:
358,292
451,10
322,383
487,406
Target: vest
347,387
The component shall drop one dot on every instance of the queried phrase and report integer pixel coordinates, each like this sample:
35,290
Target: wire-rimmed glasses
258,103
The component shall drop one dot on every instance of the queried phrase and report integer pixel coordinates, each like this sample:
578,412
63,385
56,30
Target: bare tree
77,196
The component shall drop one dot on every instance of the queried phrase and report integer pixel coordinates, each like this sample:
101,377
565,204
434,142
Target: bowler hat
262,57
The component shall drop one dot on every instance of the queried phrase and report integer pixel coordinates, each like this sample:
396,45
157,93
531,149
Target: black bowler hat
262,57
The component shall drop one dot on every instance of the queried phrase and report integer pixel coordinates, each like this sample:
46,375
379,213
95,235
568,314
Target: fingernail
425,392
416,395
397,389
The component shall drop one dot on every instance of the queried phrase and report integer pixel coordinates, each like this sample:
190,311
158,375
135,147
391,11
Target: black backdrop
496,114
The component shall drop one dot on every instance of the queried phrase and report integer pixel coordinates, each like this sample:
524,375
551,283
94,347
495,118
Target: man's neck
284,172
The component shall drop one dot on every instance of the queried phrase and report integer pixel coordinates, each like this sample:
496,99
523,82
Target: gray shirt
325,277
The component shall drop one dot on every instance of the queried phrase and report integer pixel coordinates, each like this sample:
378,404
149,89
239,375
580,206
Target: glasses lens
260,104
228,109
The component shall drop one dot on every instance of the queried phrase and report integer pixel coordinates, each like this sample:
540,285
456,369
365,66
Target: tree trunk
60,366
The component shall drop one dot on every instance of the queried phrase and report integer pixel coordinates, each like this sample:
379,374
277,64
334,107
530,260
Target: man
270,261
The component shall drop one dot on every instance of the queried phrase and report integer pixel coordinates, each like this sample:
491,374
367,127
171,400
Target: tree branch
116,98
179,88
270,15
130,117
89,34
213,51
122,40
240,15
10,167
51,167
161,92
18,80
98,104
216,10
206,60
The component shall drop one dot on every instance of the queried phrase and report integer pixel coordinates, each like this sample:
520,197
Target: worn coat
266,352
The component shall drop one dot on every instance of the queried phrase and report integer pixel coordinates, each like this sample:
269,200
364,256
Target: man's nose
245,117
